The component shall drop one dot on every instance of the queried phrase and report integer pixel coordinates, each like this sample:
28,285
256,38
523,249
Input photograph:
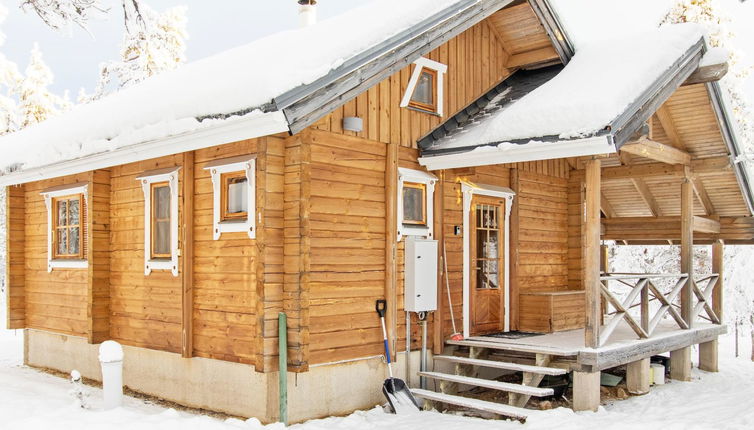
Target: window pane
73,246
73,212
237,196
161,237
424,92
62,212
413,205
62,241
162,202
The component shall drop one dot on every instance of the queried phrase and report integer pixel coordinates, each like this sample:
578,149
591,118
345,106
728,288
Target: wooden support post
15,261
98,242
637,376
604,268
187,257
592,254
708,351
530,380
391,247
680,360
586,391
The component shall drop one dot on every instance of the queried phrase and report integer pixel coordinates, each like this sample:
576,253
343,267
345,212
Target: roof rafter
657,151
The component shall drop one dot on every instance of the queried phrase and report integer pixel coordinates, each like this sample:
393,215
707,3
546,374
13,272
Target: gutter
731,138
225,132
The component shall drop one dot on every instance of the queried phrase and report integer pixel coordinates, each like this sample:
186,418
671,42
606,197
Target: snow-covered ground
30,399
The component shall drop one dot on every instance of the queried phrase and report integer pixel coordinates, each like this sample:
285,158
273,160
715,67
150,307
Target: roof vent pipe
307,13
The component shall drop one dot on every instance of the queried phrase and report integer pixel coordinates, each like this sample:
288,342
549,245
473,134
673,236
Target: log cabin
182,216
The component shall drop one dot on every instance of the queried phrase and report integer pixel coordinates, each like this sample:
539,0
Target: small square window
424,96
67,227
235,201
414,204
161,236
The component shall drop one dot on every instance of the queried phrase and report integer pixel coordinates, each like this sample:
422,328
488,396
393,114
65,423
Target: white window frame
169,175
419,65
62,191
428,180
246,164
469,190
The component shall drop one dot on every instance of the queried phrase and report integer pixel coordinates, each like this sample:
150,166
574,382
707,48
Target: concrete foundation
232,388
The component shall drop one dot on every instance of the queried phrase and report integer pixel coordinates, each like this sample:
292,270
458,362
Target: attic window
425,88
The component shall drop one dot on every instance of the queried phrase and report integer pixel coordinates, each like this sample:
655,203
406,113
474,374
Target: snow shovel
398,395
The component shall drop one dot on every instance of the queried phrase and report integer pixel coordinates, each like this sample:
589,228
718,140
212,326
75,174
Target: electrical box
421,275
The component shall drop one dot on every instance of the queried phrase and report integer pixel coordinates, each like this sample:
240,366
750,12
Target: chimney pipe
307,13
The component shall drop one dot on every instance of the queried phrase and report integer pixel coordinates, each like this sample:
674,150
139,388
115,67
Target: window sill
160,264
235,226
428,112
415,230
67,264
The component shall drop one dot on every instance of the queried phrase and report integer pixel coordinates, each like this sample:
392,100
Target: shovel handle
380,306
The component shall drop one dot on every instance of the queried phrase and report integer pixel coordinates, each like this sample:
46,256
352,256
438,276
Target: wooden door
487,269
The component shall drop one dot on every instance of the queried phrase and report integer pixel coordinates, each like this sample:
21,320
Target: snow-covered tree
61,14
153,43
35,101
9,81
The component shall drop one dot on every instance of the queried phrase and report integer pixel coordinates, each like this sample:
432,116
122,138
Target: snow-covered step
480,405
502,365
486,383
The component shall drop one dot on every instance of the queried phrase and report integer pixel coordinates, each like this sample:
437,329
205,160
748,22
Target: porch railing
643,291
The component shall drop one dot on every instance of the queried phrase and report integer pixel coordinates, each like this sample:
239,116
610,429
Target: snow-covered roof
234,90
603,86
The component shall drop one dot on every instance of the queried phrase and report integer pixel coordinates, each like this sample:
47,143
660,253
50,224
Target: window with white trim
415,203
234,195
160,189
66,226
425,87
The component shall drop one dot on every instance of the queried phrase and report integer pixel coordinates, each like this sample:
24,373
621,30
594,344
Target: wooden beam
646,195
15,261
706,225
663,115
540,56
391,236
187,257
680,359
708,73
642,171
718,267
637,376
701,194
592,255
657,151
606,207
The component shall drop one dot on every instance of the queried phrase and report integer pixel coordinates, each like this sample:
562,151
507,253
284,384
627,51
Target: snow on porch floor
30,399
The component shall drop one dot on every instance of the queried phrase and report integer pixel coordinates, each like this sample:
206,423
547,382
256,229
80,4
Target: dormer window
425,88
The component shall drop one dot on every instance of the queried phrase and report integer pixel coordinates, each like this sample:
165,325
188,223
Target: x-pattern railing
643,291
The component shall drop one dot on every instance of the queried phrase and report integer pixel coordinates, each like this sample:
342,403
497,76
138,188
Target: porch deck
622,347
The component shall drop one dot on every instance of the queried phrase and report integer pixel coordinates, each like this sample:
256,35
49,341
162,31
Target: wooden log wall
15,259
476,62
145,310
55,301
98,255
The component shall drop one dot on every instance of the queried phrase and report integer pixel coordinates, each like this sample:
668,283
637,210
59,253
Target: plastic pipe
111,360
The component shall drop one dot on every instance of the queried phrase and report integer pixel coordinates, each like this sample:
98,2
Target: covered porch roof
593,105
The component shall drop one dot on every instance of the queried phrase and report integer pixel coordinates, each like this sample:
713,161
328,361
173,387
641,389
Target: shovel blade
399,396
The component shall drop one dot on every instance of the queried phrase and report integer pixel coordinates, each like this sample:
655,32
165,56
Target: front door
487,269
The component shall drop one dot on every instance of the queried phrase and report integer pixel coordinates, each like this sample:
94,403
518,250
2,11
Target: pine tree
36,102
9,81
153,43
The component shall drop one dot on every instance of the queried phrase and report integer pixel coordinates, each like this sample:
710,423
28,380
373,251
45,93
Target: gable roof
281,83
591,106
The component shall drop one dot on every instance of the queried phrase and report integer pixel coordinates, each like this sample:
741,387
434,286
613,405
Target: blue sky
213,26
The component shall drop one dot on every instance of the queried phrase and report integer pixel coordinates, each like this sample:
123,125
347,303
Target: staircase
466,370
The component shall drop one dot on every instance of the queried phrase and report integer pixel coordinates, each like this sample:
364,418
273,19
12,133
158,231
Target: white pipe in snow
111,360
307,13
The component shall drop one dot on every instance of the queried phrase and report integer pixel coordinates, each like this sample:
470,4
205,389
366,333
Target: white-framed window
234,195
66,226
415,203
160,219
425,88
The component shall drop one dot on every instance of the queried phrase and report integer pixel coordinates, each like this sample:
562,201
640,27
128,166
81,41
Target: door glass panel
487,246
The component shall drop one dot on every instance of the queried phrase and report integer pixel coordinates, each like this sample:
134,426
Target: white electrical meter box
421,275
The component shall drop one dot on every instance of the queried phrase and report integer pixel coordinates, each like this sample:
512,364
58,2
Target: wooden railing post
592,285
708,351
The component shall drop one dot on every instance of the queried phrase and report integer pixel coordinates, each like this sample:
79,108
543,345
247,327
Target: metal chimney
307,12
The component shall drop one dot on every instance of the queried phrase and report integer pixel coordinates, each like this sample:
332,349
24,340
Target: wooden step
502,365
486,383
480,405
510,346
